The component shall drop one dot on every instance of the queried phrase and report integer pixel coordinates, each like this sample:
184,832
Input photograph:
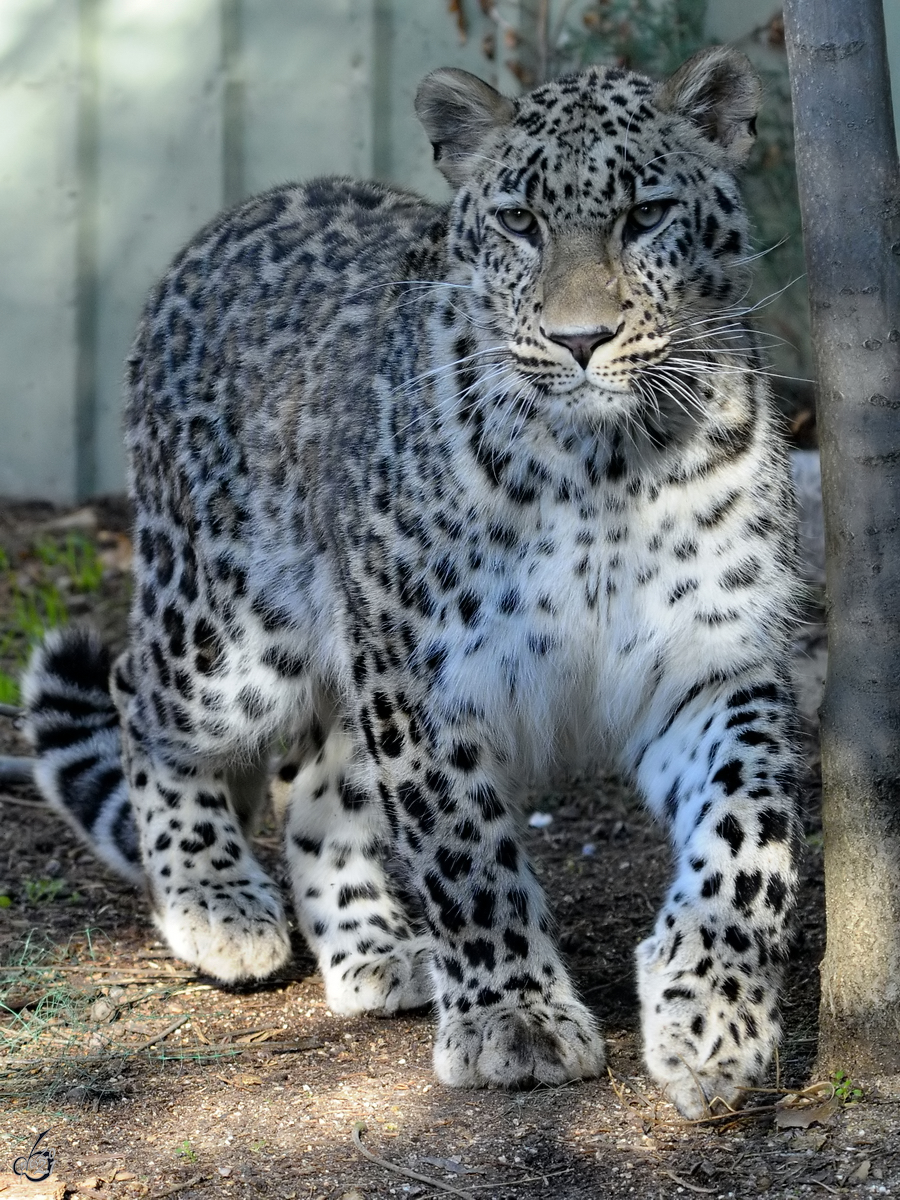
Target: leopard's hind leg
336,841
212,901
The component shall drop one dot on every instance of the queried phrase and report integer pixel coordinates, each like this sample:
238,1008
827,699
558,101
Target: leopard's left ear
458,111
719,91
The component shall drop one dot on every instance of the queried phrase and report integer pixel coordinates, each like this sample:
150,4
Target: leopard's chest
553,624
568,616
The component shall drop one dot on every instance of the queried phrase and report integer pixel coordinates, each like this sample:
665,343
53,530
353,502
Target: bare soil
153,1081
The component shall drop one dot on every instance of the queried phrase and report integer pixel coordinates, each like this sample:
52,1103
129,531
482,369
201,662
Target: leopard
432,501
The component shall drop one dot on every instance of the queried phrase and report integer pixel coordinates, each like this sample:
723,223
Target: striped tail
73,725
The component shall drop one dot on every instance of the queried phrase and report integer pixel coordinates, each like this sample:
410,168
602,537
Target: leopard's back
266,327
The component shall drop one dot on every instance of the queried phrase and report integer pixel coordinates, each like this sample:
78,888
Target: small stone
540,820
102,1010
861,1174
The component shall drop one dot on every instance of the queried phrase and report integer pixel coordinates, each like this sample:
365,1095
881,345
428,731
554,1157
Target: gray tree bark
850,200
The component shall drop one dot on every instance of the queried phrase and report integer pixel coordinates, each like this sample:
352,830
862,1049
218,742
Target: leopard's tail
73,725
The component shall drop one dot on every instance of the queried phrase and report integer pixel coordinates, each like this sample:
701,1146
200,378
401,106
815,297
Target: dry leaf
814,1140
452,1166
261,1035
801,1116
455,8
115,551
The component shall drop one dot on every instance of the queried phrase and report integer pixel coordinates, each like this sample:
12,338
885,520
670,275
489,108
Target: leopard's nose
581,345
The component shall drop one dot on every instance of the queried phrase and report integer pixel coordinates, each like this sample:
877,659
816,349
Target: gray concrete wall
125,125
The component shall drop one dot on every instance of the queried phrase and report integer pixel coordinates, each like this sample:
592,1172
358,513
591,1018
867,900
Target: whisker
420,384
677,390
409,285
425,377
740,262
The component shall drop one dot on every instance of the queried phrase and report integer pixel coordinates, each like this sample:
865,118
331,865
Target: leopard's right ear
458,111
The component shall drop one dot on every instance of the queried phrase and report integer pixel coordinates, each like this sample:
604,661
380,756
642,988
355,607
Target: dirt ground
152,1081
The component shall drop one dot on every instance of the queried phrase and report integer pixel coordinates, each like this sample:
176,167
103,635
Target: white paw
381,983
707,1036
233,934
517,1046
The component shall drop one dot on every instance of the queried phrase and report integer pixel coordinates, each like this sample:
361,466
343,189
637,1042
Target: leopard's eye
519,221
644,217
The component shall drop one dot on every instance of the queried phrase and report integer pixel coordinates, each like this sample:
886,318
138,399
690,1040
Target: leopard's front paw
709,1029
232,932
517,1046
385,980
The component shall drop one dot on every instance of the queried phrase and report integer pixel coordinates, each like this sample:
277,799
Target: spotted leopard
441,497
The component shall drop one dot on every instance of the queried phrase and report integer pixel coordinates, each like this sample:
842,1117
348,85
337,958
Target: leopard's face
601,238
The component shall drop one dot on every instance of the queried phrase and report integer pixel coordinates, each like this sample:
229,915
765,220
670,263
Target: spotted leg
336,840
508,1012
212,902
720,770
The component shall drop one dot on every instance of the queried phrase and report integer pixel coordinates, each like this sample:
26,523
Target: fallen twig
158,1037
522,1179
691,1187
91,969
248,1035
232,1050
619,1089
24,803
738,1114
298,1047
178,1187
211,1050
359,1129
139,974
16,770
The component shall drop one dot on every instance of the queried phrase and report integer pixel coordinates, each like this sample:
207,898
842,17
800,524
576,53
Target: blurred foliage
33,598
642,35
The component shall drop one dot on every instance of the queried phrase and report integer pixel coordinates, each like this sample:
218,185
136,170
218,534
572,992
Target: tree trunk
850,200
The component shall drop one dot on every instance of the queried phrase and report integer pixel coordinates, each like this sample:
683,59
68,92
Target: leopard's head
597,236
